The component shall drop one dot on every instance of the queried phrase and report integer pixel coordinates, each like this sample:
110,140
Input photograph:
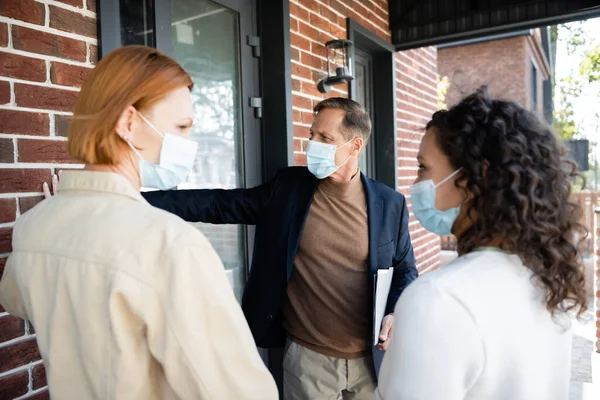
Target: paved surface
585,362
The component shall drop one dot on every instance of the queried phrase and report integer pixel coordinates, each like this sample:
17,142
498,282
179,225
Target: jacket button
270,317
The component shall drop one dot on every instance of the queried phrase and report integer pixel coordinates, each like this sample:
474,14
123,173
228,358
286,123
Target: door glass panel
205,41
363,96
137,19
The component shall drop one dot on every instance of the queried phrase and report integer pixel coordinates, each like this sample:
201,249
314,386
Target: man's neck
346,175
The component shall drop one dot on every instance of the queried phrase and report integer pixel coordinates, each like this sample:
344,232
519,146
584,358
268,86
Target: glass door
206,39
363,65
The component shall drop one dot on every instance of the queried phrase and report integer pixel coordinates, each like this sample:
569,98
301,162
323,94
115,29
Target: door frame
385,138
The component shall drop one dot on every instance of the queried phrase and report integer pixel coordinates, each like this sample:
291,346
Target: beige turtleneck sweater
327,308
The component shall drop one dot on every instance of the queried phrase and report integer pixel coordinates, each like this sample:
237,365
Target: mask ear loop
150,125
349,157
452,175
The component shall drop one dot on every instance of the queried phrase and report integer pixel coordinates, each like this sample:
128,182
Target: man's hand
46,188
386,332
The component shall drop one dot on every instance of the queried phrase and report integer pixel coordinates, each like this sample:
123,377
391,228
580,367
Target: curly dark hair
519,178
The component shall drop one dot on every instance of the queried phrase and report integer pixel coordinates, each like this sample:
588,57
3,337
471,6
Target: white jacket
128,301
477,329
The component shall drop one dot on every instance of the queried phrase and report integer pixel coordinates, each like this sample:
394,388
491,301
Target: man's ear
125,124
357,145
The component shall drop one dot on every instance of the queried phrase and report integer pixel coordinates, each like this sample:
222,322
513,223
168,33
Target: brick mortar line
421,74
7,224
82,11
44,57
31,393
18,196
46,29
434,99
40,84
31,165
414,105
18,340
373,13
36,137
314,26
14,107
15,150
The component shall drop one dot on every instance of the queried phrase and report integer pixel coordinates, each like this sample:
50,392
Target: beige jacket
128,302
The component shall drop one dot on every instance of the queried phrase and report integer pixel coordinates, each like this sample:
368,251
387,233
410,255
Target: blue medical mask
422,198
177,156
320,158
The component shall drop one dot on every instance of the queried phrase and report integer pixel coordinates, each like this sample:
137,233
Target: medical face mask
320,158
177,156
422,197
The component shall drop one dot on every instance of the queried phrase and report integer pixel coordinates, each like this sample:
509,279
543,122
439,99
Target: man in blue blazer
322,232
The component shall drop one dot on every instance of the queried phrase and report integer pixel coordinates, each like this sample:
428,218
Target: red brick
20,67
309,31
295,54
11,328
299,42
7,151
302,102
341,6
297,145
14,180
307,117
45,97
24,123
328,14
23,10
293,25
61,125
48,44
301,132
319,22
298,12
44,395
296,85
68,75
93,54
38,376
91,5
297,116
74,3
18,354
299,159
3,34
73,22
311,89
43,151
312,61
27,203
301,71
319,49
310,4
5,247
8,212
14,385
4,92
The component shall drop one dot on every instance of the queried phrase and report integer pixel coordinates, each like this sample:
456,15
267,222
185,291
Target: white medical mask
320,158
177,156
422,198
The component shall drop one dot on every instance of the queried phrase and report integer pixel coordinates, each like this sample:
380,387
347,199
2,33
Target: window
534,88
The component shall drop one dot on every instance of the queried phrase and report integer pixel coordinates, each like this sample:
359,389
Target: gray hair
356,122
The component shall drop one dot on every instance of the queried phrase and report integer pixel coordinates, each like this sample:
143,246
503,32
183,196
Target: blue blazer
279,209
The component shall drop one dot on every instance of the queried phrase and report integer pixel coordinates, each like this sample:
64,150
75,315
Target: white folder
382,283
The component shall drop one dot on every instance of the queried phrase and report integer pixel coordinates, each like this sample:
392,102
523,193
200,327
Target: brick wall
46,50
313,23
503,65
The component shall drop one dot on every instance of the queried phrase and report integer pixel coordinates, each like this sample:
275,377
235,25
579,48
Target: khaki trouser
308,375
